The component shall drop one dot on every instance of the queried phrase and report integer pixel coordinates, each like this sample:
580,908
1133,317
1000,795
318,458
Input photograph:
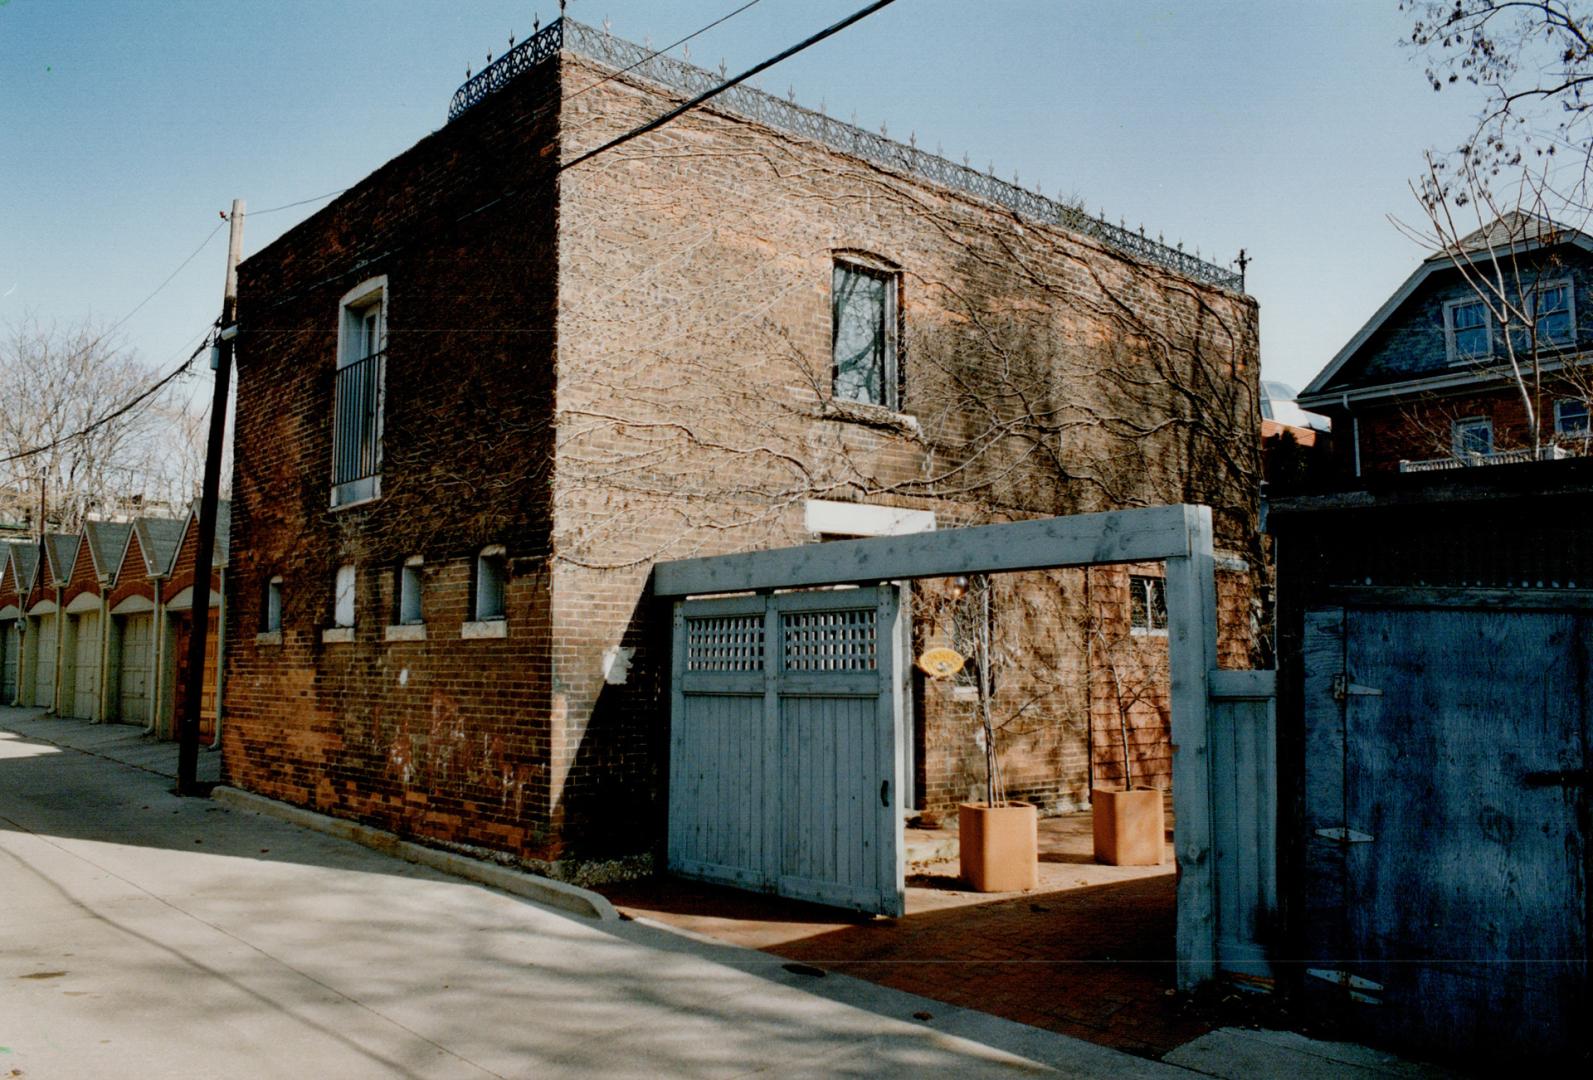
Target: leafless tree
81,425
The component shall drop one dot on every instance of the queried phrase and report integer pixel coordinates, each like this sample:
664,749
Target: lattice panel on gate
725,643
829,640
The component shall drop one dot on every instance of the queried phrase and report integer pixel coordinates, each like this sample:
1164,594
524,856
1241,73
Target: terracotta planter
998,847
1130,826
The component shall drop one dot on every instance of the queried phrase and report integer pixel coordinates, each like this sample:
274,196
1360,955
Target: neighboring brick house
485,389
1427,383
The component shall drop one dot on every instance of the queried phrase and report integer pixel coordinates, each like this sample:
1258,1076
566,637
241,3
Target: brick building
1427,383
485,389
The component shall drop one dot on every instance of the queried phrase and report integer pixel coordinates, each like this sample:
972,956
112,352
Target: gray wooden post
1191,656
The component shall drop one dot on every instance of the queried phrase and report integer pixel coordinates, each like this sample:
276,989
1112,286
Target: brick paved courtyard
1088,954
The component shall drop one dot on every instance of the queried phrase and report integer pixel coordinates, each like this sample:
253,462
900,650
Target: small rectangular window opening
409,588
271,615
1470,333
491,573
343,597
1147,602
1473,437
1571,417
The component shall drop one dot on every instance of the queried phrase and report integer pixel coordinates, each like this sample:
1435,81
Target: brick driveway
1088,954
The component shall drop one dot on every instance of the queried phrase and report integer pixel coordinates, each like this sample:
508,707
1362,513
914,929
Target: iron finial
511,39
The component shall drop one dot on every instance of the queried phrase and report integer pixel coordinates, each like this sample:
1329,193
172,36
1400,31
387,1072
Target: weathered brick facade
630,360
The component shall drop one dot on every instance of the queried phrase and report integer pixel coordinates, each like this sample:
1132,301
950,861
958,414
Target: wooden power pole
204,557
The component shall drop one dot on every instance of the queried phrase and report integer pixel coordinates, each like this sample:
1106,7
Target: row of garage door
130,663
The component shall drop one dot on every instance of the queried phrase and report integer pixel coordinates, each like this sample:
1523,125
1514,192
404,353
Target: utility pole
204,557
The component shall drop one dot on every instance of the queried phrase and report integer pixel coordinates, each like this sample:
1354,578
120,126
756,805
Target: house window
343,597
1473,437
409,582
491,572
863,302
1147,605
1571,417
271,610
1553,314
1468,329
358,397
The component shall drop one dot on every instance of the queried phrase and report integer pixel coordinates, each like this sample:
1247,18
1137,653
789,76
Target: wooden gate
42,693
786,745
1446,794
1242,734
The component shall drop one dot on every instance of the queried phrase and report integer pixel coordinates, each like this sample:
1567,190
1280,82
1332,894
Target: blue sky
1288,129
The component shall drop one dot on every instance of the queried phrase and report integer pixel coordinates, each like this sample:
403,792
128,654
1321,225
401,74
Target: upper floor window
1147,605
1473,436
1571,417
1468,330
343,597
1553,313
357,400
864,353
490,577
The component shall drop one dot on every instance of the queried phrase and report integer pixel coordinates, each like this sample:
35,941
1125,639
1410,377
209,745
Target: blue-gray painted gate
786,745
1446,770
1242,735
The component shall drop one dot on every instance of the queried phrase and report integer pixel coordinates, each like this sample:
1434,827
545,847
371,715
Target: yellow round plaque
941,663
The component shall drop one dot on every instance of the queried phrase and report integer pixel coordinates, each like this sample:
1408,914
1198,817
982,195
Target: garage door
86,666
12,644
133,666
43,695
786,738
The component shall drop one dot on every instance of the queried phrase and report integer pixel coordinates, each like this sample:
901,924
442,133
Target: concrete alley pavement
142,935
146,935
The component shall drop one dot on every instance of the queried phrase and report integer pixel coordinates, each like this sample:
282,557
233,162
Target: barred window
358,394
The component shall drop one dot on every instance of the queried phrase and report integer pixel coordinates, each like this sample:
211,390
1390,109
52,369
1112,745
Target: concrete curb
559,894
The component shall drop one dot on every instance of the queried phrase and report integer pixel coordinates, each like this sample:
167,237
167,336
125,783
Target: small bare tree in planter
1130,823
998,839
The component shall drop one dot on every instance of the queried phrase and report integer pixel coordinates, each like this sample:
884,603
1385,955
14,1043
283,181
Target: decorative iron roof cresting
787,116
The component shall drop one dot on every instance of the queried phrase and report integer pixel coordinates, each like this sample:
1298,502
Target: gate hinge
1359,989
1343,688
1345,835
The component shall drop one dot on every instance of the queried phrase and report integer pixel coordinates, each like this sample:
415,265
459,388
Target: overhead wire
665,49
706,95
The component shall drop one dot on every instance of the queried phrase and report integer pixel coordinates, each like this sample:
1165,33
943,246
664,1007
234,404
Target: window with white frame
343,596
1473,437
359,392
863,300
271,615
491,574
1571,418
1468,331
1554,314
1147,605
408,592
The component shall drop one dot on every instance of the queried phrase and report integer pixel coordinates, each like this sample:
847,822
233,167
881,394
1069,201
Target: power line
116,413
653,125
194,255
301,202
665,49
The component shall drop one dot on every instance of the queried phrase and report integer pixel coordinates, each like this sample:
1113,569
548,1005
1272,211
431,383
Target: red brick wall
131,577
444,738
83,578
184,562
695,333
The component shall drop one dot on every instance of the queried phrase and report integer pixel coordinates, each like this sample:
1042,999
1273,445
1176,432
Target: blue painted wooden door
786,748
1446,790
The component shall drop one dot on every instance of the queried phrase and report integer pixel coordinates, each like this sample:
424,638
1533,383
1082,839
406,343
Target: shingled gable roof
1531,233
157,543
223,531
61,549
24,561
106,541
